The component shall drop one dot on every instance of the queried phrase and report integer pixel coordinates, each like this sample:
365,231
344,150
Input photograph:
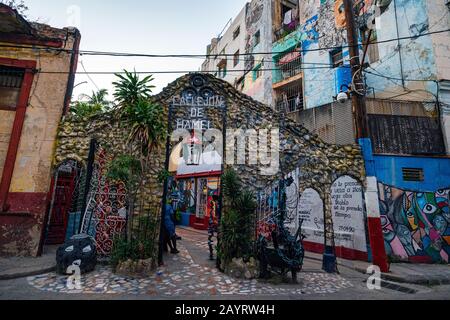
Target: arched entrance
194,159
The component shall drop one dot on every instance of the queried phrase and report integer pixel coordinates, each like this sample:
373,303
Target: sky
137,26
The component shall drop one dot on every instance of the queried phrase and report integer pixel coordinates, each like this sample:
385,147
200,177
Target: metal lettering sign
193,101
197,120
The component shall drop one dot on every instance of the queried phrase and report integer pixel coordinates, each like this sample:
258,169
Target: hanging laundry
288,17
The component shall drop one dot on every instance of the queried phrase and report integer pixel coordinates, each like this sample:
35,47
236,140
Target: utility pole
376,238
358,100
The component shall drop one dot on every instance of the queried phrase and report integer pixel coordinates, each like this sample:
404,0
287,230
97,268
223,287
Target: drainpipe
72,71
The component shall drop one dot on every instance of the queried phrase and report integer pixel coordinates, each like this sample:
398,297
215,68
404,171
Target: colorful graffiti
416,225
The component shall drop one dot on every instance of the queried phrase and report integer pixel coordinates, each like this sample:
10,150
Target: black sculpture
79,251
287,253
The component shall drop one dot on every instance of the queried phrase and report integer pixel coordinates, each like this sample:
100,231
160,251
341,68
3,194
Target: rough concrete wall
32,171
439,19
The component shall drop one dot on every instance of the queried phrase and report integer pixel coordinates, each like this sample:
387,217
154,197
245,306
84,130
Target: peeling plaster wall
439,18
418,59
21,234
259,18
422,58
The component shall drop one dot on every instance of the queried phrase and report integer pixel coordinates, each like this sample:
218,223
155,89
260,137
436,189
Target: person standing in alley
169,228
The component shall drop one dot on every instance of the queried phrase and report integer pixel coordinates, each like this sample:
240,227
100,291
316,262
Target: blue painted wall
436,172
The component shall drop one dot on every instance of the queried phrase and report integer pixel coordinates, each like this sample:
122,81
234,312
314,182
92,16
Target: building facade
406,74
37,71
236,55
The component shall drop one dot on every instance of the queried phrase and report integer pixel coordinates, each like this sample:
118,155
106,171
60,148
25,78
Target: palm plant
94,104
238,222
147,127
130,88
98,99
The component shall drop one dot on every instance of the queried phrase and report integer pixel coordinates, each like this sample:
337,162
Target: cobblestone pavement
182,276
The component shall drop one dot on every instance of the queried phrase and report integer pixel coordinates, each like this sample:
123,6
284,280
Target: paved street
191,275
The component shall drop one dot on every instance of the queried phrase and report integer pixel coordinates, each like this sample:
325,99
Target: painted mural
416,225
310,211
348,214
330,32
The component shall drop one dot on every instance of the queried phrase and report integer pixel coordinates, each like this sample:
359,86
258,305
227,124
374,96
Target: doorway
63,206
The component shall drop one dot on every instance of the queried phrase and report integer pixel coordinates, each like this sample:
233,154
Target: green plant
163,175
129,89
82,109
147,125
98,99
125,168
141,246
94,104
237,225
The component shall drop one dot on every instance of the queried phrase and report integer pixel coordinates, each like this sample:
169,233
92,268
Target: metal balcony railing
290,105
286,70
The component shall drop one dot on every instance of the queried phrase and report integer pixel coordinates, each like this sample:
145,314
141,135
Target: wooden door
62,204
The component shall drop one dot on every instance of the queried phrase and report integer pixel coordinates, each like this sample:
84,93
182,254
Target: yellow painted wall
32,172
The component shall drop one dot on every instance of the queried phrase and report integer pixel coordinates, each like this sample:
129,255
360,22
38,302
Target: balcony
289,98
288,68
290,105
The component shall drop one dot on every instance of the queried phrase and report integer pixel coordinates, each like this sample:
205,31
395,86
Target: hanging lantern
192,151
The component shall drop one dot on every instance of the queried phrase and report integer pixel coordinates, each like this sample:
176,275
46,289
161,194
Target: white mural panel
348,214
291,222
310,210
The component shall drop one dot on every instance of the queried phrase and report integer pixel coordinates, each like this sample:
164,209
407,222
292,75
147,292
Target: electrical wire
89,77
120,54
175,71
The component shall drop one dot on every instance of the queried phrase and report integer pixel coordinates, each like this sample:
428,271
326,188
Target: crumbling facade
37,70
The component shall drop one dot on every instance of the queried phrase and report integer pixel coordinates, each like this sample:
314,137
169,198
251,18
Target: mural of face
427,205
420,223
409,213
442,200
404,235
440,224
388,230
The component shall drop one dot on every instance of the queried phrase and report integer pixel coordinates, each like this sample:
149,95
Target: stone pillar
329,256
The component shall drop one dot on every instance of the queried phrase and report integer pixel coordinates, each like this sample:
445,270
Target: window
337,58
10,85
257,38
236,58
222,68
373,54
236,33
257,72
